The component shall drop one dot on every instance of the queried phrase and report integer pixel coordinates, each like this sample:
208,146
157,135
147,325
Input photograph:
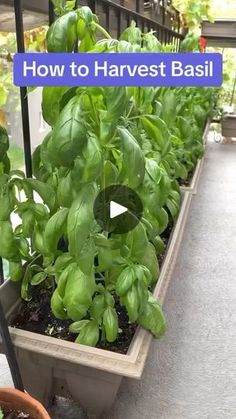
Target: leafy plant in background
193,12
145,138
1,414
4,159
34,41
191,42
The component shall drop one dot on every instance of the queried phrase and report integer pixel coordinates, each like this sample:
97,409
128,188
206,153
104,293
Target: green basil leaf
62,262
125,280
61,35
8,248
151,43
4,142
110,173
87,43
98,306
54,230
65,191
63,278
110,322
152,318
132,34
184,127
38,240
89,335
51,103
45,191
131,302
153,170
80,220
89,166
78,293
25,284
172,207
69,134
15,271
159,245
6,207
149,259
38,278
137,242
85,259
76,327
133,167
169,105
57,306
157,130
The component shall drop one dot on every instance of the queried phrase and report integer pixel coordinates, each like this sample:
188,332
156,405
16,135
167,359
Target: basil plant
145,138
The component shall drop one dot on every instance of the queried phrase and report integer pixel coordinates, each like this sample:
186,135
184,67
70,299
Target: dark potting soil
36,316
187,182
12,414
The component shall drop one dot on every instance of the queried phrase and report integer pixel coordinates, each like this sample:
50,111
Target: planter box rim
130,364
229,115
221,19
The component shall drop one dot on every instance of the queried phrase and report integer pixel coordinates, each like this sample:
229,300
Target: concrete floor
191,371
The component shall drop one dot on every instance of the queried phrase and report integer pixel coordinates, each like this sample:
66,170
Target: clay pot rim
26,399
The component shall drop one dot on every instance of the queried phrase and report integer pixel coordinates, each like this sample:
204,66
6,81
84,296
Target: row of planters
82,302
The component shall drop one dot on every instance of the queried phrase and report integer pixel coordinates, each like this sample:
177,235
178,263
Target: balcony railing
116,15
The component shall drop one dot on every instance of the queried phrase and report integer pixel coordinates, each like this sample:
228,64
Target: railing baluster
23,90
51,15
143,26
1,272
124,17
118,24
107,13
163,16
178,29
76,48
92,5
161,36
128,19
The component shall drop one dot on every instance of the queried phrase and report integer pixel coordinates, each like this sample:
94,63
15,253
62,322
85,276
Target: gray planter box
229,126
91,376
221,33
35,14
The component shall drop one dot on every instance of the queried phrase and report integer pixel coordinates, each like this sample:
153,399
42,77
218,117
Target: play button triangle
116,209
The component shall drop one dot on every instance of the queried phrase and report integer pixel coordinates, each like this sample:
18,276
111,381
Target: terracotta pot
11,398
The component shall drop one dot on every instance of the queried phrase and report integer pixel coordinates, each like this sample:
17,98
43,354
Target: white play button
116,209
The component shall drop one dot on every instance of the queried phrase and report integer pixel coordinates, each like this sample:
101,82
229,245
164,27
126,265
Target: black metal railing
115,18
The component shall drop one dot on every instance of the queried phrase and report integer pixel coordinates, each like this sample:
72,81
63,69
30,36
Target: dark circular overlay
121,195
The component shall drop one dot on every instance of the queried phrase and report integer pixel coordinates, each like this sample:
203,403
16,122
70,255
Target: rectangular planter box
91,376
229,126
220,28
193,187
221,33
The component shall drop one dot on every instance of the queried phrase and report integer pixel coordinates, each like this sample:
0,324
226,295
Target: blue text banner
118,69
